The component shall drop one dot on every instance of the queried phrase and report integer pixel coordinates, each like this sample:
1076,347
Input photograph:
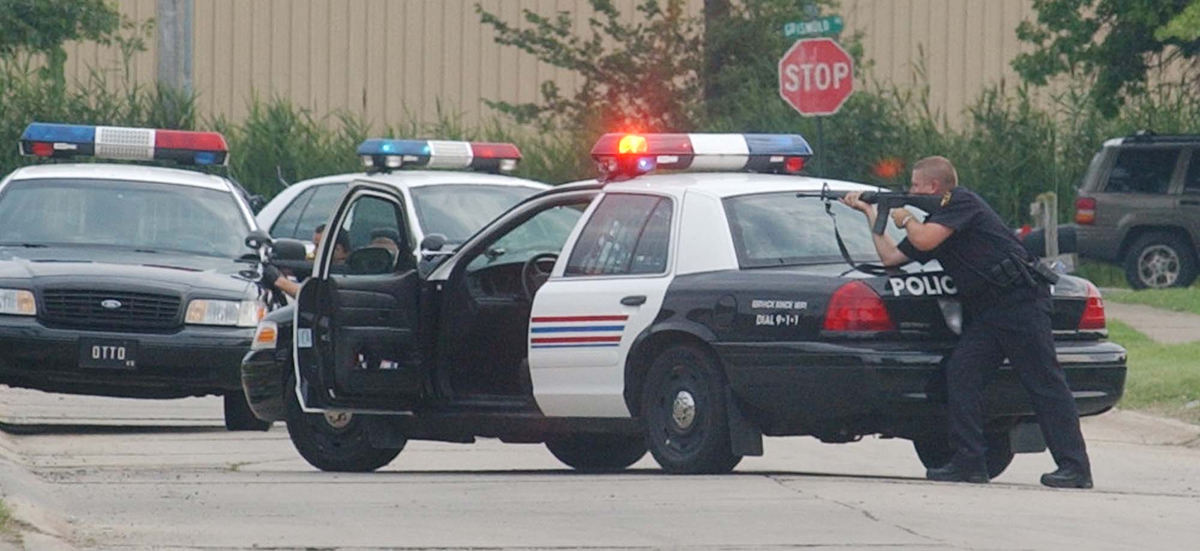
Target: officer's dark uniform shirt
979,242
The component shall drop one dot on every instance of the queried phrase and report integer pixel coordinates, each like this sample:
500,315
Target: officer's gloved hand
269,275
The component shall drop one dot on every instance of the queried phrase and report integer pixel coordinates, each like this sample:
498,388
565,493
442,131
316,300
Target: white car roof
728,184
136,173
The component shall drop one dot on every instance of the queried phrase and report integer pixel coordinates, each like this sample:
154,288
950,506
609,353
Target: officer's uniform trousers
1019,331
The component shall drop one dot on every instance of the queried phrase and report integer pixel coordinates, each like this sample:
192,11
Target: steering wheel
536,271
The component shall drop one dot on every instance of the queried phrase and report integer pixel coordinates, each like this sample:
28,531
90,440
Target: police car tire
598,453
1186,254
935,451
701,445
344,449
239,416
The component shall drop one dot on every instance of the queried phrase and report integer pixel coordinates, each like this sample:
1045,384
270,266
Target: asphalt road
84,472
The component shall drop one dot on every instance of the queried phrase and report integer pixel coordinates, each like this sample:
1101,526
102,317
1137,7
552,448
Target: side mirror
288,249
257,239
433,242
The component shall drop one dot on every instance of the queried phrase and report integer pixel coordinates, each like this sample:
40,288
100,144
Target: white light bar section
446,154
719,151
116,142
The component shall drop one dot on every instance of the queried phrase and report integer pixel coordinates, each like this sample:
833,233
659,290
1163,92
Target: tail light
1093,311
856,307
1085,210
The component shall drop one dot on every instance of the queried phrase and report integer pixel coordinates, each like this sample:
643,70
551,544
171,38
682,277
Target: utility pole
174,23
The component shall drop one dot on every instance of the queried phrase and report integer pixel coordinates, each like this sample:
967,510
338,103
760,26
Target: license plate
107,354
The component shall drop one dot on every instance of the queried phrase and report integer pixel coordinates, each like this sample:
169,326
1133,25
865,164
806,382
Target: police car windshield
457,211
780,229
115,213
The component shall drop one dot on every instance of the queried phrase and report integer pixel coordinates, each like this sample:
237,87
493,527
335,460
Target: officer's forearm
925,237
889,254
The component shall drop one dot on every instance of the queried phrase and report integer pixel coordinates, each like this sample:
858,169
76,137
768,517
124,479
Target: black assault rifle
884,201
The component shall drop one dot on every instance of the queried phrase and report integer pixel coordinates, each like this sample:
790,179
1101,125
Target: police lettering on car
685,313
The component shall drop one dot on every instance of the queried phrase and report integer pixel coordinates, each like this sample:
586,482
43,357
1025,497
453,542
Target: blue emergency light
383,154
629,155
42,139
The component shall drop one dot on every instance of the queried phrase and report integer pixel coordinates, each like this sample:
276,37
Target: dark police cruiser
451,194
121,280
688,313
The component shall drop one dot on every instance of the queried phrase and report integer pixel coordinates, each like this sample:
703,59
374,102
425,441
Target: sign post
816,76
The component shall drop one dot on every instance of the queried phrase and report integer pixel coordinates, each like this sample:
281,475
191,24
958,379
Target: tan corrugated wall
383,58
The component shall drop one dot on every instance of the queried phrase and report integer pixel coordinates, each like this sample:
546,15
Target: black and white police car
120,279
689,313
449,189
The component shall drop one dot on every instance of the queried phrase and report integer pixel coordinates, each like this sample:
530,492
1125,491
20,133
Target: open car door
355,340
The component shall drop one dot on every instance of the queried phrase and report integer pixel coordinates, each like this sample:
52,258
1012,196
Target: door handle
634,300
1190,201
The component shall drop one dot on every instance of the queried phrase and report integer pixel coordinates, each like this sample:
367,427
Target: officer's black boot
960,470
1069,476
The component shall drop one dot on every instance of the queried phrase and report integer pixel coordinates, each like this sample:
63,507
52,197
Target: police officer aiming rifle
1007,302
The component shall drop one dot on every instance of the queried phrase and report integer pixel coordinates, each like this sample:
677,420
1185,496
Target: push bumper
195,361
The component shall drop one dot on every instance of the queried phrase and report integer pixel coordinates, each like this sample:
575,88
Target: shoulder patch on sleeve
946,198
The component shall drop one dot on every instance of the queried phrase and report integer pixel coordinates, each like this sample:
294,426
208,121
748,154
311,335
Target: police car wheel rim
338,419
677,440
1158,266
683,410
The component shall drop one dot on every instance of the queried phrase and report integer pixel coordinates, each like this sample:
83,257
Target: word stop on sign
809,77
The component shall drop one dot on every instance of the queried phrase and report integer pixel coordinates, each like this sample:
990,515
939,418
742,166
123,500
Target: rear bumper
1098,242
802,388
195,361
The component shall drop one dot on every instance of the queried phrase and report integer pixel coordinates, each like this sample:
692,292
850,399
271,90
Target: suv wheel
1160,260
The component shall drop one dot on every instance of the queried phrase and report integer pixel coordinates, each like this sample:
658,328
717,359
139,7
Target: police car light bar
42,139
383,154
633,154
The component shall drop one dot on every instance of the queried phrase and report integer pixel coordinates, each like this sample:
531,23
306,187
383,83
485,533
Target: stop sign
816,76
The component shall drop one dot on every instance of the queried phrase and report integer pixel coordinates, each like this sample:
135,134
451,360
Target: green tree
639,75
1185,26
42,26
1112,42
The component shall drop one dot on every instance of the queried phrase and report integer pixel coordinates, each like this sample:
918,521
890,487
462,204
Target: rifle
885,201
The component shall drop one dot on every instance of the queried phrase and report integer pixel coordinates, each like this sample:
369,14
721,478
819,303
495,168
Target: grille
83,309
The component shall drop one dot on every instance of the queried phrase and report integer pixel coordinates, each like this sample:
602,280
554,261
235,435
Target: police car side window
319,208
287,225
627,234
1142,170
378,242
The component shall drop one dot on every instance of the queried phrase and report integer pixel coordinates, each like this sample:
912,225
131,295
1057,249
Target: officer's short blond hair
939,168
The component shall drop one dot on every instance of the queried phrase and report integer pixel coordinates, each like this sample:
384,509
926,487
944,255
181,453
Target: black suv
1139,206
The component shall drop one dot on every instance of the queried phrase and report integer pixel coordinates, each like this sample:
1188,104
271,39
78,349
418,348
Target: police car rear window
115,213
780,229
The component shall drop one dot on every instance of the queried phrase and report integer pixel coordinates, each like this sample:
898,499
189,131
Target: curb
37,523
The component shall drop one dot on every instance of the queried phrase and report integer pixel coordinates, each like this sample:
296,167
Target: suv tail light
856,307
1085,210
1093,311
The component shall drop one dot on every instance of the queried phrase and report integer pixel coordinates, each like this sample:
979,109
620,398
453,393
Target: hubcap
338,419
683,410
1158,266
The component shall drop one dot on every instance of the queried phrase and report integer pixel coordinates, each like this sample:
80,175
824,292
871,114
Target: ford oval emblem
111,304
